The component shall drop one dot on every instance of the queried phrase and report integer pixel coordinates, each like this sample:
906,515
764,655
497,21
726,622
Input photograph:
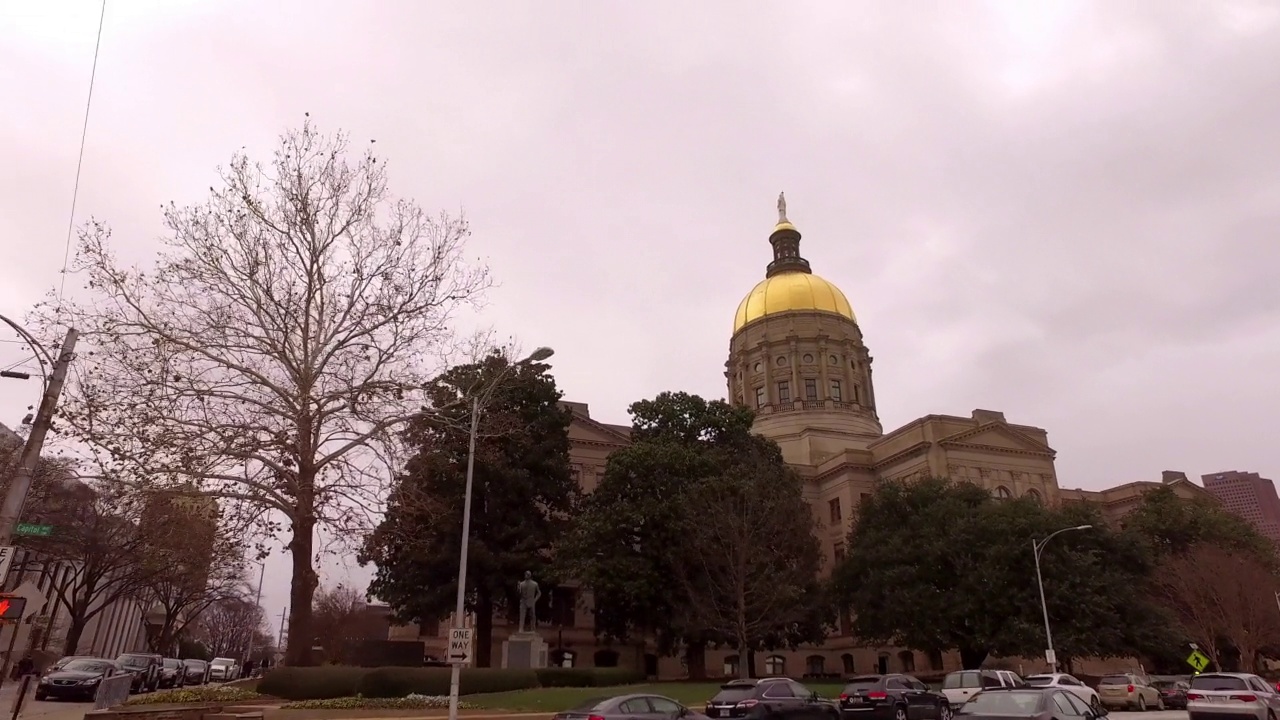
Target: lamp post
1037,547
455,675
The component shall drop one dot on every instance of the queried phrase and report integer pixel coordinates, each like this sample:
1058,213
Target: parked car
145,668
626,707
1129,691
1068,683
961,685
76,679
1173,693
222,670
196,671
1031,703
1215,696
172,673
892,697
773,698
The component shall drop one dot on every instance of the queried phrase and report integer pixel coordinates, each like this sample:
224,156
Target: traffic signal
11,607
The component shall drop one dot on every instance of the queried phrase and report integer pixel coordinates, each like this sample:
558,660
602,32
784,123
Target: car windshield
221,663
94,666
172,664
734,693
960,680
860,684
193,663
1218,682
133,661
1002,703
1040,680
1115,680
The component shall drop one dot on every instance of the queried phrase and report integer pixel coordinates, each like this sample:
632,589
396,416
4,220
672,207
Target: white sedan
1068,683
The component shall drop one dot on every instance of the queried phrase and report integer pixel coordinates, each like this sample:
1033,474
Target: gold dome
789,291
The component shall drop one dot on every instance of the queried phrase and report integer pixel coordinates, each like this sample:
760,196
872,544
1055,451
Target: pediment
585,430
996,436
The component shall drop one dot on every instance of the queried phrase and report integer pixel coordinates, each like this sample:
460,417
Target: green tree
755,561
934,564
1170,524
523,495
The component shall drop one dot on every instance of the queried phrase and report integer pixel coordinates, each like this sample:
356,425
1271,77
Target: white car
223,670
1068,683
961,685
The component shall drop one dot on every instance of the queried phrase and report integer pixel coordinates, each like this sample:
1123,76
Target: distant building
1250,496
1116,502
117,628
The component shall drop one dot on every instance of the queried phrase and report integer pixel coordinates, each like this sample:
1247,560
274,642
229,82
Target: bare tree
98,537
342,620
757,555
231,627
1221,594
285,332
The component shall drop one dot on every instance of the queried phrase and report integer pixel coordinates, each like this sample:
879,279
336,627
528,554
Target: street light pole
1037,547
16,496
455,674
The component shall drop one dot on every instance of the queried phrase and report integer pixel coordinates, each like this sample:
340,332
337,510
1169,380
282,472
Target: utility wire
84,132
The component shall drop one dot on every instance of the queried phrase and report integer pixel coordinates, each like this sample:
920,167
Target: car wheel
899,713
1142,704
944,712
41,696
1160,704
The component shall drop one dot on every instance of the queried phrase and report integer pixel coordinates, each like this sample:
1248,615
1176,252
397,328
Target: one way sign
459,646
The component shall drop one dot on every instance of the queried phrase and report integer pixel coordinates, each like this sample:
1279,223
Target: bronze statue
782,208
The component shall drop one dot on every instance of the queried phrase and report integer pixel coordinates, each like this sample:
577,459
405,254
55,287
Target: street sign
11,607
6,559
1051,657
33,529
459,646
1198,660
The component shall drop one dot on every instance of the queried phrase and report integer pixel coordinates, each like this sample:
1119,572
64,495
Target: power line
84,132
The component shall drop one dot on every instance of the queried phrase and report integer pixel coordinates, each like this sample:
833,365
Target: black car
773,698
173,674
629,707
1048,703
892,697
1173,693
76,679
196,672
145,668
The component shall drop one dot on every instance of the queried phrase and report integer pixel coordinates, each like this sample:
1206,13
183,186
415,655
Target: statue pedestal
524,651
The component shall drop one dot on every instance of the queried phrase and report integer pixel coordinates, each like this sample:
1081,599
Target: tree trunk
74,630
301,592
483,647
972,658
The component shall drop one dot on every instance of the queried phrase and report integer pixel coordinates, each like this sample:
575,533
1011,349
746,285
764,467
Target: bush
389,682
412,702
194,695
313,683
588,677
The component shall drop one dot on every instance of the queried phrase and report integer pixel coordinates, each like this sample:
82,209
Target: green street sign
1198,660
32,529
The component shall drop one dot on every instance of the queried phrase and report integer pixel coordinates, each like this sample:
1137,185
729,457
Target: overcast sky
1063,211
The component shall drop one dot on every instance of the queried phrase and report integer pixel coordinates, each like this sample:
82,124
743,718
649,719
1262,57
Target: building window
838,551
775,666
833,509
784,392
731,666
847,661
815,665
908,661
935,660
810,389
760,400
1002,493
835,390
1034,494
853,392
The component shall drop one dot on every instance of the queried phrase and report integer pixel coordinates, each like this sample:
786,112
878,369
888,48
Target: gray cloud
1061,210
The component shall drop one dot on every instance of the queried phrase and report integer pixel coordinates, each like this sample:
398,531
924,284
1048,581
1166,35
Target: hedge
335,681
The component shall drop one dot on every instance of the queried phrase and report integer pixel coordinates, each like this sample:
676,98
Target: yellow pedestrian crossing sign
1198,660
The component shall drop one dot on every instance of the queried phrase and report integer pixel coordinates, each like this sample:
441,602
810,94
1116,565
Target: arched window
606,658
908,660
882,663
847,661
731,666
1034,495
815,665
935,660
775,665
1002,493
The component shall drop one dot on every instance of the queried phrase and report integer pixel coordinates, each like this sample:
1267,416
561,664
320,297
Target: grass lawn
557,699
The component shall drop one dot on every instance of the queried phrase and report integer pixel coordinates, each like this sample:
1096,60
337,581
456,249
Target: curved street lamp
1037,546
42,355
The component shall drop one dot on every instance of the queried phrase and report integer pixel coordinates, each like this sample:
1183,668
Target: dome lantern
786,245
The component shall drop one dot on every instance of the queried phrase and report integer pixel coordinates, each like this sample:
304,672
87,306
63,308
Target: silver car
1231,696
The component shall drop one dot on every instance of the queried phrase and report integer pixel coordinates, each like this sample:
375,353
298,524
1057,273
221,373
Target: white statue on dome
782,208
